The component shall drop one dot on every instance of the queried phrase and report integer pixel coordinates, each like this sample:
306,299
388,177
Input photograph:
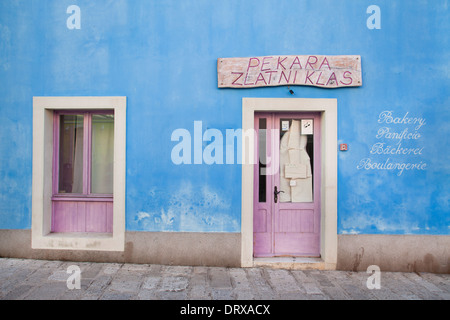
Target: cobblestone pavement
49,280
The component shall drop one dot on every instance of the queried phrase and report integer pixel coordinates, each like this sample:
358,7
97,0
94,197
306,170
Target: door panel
296,244
260,221
287,220
295,221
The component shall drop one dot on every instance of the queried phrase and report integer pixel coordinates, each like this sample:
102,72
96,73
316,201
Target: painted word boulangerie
313,70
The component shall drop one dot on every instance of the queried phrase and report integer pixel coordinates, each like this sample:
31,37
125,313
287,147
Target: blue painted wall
162,55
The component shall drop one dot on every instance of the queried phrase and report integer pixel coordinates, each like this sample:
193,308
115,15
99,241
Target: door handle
276,193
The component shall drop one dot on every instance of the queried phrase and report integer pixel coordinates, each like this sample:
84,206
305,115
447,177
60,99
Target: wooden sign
314,70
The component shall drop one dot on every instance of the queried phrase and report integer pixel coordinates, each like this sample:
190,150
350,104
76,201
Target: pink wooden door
286,218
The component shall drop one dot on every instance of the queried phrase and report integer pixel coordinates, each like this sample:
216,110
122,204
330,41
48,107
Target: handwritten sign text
313,70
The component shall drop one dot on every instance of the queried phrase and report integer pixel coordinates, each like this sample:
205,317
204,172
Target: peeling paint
189,210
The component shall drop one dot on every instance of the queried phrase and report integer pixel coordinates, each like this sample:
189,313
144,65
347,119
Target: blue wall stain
162,55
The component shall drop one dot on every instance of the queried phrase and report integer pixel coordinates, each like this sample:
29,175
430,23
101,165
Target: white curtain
77,186
71,154
102,154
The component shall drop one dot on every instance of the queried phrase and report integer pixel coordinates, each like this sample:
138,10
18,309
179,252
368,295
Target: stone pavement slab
22,279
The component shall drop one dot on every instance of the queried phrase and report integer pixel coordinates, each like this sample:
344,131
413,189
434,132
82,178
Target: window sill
80,241
81,235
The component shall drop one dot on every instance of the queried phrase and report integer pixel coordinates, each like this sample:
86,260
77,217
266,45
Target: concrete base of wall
167,248
402,253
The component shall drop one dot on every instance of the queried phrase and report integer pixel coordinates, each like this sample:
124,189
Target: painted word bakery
293,134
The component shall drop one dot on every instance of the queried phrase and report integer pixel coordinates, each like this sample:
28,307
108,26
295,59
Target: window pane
71,154
102,153
262,160
296,161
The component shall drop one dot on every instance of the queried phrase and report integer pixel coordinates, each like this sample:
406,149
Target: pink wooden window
83,159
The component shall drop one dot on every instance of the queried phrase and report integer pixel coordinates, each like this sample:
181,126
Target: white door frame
328,110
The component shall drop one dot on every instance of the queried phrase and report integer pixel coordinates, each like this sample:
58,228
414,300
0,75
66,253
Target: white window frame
42,238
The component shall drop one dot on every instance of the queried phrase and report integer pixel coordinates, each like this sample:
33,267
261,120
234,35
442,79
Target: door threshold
291,263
